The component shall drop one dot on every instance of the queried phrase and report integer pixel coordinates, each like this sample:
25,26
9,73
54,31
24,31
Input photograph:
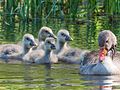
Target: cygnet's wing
71,56
7,50
31,56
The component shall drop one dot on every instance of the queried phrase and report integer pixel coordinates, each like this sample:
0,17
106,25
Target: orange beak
102,54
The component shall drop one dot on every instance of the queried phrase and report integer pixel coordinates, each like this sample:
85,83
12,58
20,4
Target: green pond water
58,77
84,30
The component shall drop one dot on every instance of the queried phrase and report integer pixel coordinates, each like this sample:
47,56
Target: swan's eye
107,41
115,45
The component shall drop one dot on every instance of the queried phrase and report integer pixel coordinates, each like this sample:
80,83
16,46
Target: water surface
84,20
58,77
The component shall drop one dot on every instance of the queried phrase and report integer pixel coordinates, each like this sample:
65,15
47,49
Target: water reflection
27,75
48,77
103,82
31,74
52,77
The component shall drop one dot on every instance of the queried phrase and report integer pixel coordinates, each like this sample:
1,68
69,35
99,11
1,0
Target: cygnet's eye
48,42
46,31
27,38
63,34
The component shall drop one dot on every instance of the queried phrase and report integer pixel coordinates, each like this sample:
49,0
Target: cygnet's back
64,52
12,51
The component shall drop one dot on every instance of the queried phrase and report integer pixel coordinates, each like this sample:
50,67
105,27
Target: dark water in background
83,30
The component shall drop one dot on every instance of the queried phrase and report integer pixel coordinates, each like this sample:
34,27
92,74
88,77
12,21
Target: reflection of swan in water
106,87
102,82
105,66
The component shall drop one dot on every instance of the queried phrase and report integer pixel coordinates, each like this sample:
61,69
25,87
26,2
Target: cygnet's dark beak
68,38
33,43
53,46
52,35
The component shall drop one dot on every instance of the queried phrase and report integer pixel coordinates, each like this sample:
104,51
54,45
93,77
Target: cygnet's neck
60,45
41,43
41,39
25,50
47,55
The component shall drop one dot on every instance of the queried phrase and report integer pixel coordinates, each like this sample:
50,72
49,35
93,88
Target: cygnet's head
49,44
64,36
29,41
44,33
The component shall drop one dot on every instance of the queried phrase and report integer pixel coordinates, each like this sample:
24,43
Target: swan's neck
107,59
60,45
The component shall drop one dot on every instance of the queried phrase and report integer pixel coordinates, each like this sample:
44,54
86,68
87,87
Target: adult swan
101,63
